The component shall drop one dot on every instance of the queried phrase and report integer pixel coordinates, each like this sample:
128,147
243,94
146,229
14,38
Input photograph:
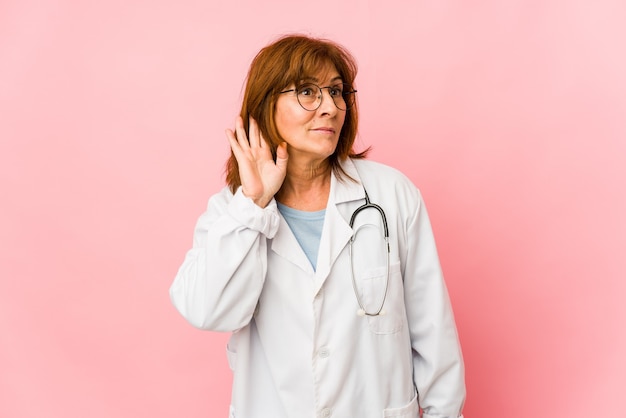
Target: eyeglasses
309,95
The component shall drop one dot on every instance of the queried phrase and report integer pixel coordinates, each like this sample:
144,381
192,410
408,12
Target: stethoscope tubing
368,204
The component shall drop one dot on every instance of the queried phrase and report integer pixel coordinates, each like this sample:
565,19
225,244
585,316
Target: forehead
324,72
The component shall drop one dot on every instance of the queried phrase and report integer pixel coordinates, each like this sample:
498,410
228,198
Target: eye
336,91
307,90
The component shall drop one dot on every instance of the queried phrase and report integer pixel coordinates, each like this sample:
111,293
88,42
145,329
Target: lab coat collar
336,232
346,190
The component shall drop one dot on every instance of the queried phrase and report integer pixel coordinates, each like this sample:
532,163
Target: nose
328,104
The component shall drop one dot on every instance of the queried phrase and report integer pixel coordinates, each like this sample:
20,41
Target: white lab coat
298,348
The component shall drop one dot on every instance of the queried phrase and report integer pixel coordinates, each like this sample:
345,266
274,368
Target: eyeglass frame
322,95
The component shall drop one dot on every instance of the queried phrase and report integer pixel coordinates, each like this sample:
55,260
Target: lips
325,129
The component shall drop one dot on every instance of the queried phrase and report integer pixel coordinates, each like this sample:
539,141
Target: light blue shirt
307,228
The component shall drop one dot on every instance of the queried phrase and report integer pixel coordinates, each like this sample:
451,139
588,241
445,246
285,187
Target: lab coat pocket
408,411
390,319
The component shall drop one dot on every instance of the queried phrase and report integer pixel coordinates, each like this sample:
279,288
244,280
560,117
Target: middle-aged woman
335,308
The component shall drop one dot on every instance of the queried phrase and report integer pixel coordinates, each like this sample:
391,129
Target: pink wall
509,115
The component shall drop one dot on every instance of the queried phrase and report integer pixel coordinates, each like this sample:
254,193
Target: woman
328,316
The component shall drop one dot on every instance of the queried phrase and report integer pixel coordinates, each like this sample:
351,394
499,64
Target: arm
221,278
220,281
438,369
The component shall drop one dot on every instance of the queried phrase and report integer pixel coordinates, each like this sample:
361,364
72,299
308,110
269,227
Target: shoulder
394,191
369,165
389,186
376,174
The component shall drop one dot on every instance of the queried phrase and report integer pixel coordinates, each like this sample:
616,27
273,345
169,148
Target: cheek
343,119
283,124
289,119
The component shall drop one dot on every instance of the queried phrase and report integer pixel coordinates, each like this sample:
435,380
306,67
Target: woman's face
311,134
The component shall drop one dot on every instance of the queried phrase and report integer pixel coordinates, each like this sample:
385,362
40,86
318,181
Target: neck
306,187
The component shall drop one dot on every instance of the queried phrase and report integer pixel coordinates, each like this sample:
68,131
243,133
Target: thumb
282,156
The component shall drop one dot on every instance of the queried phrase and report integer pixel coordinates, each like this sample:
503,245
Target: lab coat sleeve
218,285
438,368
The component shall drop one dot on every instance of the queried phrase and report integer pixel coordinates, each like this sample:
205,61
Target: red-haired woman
322,264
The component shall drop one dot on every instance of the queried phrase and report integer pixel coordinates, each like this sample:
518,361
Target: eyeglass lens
310,95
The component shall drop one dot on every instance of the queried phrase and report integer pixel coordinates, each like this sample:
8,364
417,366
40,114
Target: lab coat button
323,353
325,413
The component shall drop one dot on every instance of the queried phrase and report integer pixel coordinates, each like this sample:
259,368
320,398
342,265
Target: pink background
509,115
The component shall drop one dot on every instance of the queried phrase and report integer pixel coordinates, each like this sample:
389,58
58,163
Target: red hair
287,61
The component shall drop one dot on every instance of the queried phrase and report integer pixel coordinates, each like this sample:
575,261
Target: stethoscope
367,205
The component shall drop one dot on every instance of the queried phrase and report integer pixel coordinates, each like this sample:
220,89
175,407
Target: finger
242,138
262,141
234,144
264,149
230,135
282,156
255,138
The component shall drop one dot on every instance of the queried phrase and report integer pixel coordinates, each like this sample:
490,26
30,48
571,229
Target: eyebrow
314,79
